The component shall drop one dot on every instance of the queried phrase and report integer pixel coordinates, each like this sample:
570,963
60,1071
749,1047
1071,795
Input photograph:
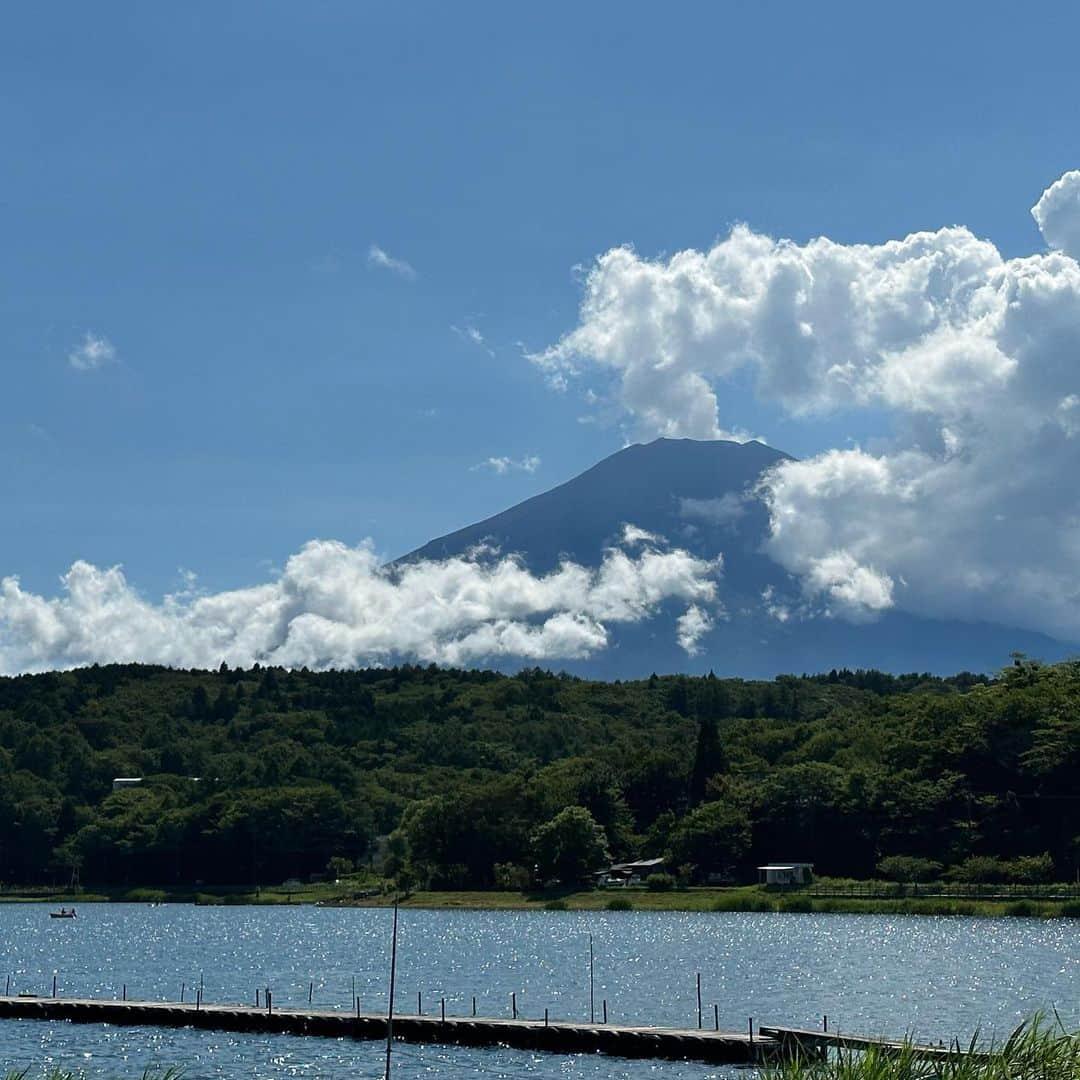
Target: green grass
1036,1050
350,892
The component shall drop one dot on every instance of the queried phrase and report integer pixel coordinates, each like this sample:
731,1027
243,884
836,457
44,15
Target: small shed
793,873
121,782
629,873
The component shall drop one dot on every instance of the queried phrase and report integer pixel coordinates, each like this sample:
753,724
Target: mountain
701,496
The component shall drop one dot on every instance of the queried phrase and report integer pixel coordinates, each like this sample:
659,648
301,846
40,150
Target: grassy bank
748,898
733,900
1034,1051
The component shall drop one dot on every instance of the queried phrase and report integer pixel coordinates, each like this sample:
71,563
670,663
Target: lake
938,977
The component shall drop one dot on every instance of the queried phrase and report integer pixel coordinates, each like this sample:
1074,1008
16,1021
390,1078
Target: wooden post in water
124,992
605,1010
592,999
183,987
390,1003
256,997
513,1003
699,1000
419,1004
7,988
474,1005
269,1001
751,1031
825,1023
442,1008
716,1017
545,1018
354,989
54,984
310,991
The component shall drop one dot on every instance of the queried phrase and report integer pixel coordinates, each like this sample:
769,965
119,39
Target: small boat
63,913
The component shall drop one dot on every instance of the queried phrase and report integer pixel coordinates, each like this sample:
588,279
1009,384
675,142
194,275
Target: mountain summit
697,495
702,496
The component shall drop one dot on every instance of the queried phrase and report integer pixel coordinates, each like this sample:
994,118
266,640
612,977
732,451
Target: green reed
1037,1050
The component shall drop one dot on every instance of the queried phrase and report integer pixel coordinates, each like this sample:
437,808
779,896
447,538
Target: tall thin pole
592,999
390,1005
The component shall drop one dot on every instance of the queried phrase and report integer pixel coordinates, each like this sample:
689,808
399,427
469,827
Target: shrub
555,905
1027,869
1032,869
1071,909
149,896
977,869
338,867
743,903
511,876
795,904
620,903
1021,908
660,883
908,868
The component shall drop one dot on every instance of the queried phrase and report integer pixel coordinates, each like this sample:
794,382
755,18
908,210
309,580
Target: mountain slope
700,496
675,488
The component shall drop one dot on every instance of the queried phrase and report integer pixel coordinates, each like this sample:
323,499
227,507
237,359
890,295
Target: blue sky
201,186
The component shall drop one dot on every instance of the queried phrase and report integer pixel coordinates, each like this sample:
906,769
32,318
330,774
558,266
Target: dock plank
632,1041
813,1038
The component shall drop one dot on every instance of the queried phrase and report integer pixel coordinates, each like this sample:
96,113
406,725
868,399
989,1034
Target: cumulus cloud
968,507
382,259
95,351
334,606
503,465
691,627
1058,214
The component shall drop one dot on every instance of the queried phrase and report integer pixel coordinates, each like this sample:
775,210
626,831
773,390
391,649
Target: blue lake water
937,977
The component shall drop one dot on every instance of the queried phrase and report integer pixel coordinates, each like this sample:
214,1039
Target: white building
795,873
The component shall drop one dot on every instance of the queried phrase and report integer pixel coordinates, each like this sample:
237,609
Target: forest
474,779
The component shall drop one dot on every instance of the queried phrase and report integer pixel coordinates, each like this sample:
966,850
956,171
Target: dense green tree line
255,776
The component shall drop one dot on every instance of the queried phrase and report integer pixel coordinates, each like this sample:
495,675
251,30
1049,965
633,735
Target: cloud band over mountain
969,507
334,606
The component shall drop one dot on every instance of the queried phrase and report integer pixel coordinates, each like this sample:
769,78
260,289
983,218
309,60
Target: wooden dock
712,1047
811,1043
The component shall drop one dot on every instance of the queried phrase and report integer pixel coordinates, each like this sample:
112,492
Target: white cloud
691,627
503,465
632,535
774,606
334,606
95,351
385,261
725,510
1058,214
969,509
472,336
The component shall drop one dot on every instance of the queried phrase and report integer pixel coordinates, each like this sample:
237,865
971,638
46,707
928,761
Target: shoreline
700,900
